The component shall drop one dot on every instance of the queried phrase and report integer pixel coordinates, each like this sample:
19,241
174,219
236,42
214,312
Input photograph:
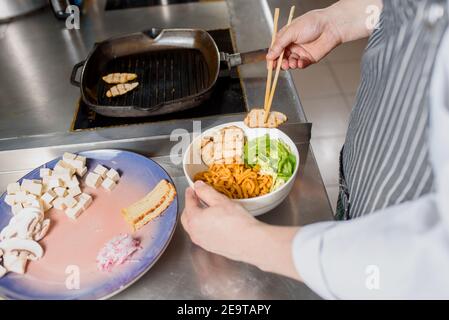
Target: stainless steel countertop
37,103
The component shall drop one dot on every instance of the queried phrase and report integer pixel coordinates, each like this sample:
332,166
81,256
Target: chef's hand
220,227
312,36
227,229
307,40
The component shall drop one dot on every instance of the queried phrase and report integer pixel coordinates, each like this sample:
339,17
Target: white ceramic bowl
258,205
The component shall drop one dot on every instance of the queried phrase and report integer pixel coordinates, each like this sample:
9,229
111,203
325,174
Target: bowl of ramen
255,167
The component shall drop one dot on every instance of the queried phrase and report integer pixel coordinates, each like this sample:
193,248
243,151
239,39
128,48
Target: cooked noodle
236,180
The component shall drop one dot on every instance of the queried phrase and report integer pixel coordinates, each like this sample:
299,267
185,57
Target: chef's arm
399,252
354,19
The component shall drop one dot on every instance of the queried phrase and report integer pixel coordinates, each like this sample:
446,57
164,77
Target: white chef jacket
401,252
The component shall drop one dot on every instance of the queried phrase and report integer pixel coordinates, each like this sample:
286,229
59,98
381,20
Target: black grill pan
176,68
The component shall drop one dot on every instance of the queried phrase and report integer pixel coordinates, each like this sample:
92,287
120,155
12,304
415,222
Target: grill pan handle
237,59
73,80
153,33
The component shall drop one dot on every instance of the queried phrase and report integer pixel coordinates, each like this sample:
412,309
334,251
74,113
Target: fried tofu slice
255,119
121,89
151,206
116,78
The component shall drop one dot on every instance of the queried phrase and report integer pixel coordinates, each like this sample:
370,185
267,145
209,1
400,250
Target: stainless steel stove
227,98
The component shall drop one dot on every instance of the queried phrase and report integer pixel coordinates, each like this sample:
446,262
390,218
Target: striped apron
385,158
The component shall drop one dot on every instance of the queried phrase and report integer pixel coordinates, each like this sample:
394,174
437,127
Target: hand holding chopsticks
272,88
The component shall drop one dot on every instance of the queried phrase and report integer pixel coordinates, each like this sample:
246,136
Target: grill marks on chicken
256,117
116,78
121,83
224,147
121,89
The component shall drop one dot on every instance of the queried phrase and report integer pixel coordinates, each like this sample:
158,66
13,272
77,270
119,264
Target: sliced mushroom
44,226
33,248
37,229
23,224
8,232
15,263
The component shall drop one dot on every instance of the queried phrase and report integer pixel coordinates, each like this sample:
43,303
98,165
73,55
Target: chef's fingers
293,63
284,38
192,207
303,63
284,64
192,202
209,195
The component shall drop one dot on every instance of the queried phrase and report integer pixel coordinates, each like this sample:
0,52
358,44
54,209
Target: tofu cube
65,178
82,159
68,156
73,182
35,204
26,184
113,175
49,196
75,212
63,172
46,179
59,165
81,172
70,201
16,208
45,172
60,191
74,191
45,187
93,180
13,188
108,184
99,169
46,206
75,163
55,183
59,203
30,197
35,188
85,200
10,199
21,196
64,167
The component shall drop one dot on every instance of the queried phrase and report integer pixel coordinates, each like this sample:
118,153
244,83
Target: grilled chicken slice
121,89
225,146
228,145
255,119
207,151
116,78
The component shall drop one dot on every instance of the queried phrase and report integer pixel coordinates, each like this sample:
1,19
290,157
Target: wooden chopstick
278,69
270,65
